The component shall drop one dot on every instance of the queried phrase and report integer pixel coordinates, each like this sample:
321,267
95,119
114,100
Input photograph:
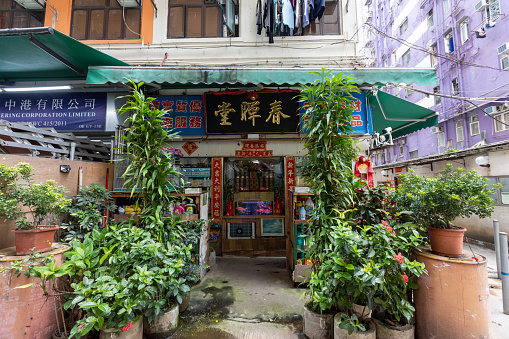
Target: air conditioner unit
481,5
241,230
437,129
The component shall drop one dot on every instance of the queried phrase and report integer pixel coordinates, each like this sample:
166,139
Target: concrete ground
499,320
243,298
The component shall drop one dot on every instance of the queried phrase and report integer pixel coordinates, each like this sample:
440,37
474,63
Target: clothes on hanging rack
259,20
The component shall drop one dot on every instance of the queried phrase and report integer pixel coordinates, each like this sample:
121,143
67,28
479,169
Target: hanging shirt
268,18
305,13
316,10
288,14
298,13
259,19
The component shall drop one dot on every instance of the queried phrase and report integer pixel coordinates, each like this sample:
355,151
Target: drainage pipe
504,260
496,231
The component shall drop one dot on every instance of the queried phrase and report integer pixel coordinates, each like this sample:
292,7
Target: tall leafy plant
149,166
331,151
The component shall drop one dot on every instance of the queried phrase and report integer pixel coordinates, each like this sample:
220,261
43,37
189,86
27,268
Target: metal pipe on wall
504,260
496,231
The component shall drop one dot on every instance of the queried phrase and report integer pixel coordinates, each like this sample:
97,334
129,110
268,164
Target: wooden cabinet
297,233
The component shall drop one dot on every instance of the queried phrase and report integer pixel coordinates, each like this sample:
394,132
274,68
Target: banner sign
185,113
360,122
63,111
254,149
289,178
217,188
252,112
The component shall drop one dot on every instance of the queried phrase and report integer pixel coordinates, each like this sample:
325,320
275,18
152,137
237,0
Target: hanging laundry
305,13
259,20
318,7
268,19
288,14
276,15
298,13
481,33
490,24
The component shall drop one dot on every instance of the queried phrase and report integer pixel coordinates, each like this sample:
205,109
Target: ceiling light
36,89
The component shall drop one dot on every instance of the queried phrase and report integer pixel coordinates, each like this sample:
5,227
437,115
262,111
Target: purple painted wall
464,64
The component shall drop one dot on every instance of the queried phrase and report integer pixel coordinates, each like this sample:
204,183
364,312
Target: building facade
467,42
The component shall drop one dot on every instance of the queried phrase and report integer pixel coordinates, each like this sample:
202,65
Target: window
403,27
393,59
459,131
447,6
406,57
441,139
414,154
438,99
500,122
449,42
401,150
104,20
386,63
504,61
194,19
433,54
329,24
430,19
12,15
474,125
408,91
455,86
501,195
465,33
492,12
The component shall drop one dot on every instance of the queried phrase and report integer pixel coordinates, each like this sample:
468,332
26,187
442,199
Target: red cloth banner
217,189
253,154
289,178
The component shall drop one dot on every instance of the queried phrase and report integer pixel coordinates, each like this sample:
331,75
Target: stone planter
185,303
340,333
38,240
135,332
318,326
446,242
384,331
361,311
165,325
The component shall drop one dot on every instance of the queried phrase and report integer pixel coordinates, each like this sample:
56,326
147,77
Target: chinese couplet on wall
217,188
289,177
71,111
254,149
253,112
185,114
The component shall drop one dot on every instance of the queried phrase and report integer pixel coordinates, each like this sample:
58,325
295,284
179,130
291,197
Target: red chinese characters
216,189
168,105
195,122
356,120
195,106
254,145
181,106
289,177
180,122
167,122
253,154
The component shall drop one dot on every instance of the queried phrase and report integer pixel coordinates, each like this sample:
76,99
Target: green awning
35,54
169,77
402,116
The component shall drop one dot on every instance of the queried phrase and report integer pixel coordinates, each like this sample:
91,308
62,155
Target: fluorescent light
35,89
32,4
129,3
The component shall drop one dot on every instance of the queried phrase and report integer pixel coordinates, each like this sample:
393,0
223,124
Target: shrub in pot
21,197
436,201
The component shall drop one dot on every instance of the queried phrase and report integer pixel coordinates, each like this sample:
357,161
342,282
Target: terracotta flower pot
318,326
38,240
446,242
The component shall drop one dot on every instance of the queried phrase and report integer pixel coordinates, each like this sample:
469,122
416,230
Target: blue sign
361,113
65,111
185,114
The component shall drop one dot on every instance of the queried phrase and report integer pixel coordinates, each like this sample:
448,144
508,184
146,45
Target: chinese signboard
185,114
217,188
254,149
289,177
66,111
360,122
253,112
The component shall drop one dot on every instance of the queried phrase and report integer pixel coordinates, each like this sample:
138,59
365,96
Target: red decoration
229,208
190,147
217,189
289,178
253,95
364,170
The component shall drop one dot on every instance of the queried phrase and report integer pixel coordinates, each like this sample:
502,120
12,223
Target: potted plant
327,120
20,197
436,201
